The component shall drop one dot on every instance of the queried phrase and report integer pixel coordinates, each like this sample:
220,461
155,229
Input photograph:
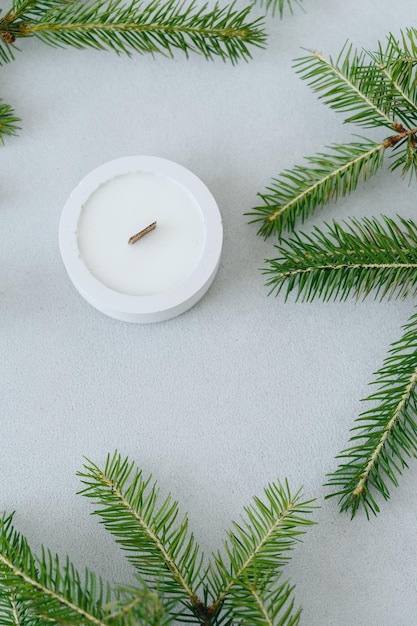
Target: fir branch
350,85
161,553
398,62
159,27
367,255
247,590
46,588
386,435
296,193
8,121
256,550
378,90
403,99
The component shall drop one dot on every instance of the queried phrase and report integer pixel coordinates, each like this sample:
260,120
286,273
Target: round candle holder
193,227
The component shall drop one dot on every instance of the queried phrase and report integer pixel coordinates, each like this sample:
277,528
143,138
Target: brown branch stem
394,139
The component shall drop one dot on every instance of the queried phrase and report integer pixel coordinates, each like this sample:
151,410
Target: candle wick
142,233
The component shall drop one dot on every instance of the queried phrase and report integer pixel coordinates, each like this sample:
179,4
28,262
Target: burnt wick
142,233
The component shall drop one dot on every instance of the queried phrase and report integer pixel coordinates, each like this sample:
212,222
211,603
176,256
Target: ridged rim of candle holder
137,308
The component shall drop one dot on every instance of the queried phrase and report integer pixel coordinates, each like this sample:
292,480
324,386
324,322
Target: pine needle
385,436
375,90
8,121
279,6
297,193
162,26
162,551
256,549
350,85
43,587
366,256
244,583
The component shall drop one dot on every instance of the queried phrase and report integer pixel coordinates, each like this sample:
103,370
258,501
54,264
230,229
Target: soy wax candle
141,238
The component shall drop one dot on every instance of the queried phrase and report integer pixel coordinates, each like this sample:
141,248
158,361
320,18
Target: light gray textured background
242,389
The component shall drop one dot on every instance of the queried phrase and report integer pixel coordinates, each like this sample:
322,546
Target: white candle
166,271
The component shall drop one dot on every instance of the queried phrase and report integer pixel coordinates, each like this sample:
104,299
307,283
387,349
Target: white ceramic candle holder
165,272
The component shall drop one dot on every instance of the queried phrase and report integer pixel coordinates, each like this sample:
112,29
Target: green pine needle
13,611
350,84
279,6
8,121
365,256
265,606
42,587
296,193
397,61
157,27
376,90
256,549
385,435
162,550
243,586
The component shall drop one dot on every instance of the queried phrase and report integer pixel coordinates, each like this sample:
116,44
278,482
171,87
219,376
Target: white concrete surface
243,388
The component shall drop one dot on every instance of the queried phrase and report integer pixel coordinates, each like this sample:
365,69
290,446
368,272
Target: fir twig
140,606
8,121
44,588
245,586
296,193
256,550
397,60
159,27
350,85
375,90
365,256
385,435
163,554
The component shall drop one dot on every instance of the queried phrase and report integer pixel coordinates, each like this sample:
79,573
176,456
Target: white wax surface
123,206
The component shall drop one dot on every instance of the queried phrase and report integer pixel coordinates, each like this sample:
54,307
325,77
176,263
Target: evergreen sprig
159,549
58,592
363,257
13,612
256,550
166,556
386,434
296,193
242,586
398,62
8,121
354,83
157,27
373,90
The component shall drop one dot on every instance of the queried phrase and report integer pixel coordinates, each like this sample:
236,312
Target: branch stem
392,141
28,31
345,266
261,606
